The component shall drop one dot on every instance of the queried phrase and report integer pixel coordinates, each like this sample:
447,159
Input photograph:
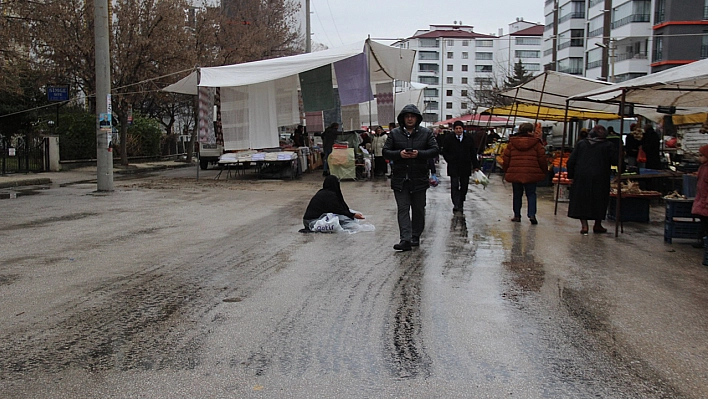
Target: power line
334,22
324,32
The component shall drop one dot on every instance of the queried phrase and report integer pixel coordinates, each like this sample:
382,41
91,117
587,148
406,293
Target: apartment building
680,33
618,40
522,43
457,63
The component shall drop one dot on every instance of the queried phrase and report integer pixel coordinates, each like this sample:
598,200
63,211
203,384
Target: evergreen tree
519,77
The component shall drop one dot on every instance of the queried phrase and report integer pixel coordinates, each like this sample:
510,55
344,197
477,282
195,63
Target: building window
431,105
448,93
573,65
465,55
532,67
464,68
660,11
658,49
448,117
428,55
483,81
464,81
428,42
527,54
485,43
483,68
449,80
633,11
572,10
449,68
465,43
704,46
450,43
428,67
595,26
427,92
463,105
484,56
450,55
528,41
448,105
463,93
428,80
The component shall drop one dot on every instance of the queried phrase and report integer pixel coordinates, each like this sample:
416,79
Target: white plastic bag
332,223
328,223
480,178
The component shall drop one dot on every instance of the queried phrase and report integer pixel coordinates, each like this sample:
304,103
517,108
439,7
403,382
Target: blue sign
58,93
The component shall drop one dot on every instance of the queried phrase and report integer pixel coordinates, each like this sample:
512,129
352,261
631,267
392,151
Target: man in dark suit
460,154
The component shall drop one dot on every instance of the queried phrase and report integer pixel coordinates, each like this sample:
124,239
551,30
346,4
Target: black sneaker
415,242
533,220
403,246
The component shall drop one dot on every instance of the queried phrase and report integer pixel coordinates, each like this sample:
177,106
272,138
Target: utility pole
104,127
308,33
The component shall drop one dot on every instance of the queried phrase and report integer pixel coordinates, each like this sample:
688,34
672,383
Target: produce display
562,178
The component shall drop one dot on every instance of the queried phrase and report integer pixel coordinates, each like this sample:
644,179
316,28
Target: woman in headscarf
589,167
329,199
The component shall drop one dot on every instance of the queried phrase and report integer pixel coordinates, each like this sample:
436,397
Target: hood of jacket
410,108
523,143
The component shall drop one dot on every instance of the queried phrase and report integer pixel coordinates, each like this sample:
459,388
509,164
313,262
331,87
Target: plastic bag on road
332,223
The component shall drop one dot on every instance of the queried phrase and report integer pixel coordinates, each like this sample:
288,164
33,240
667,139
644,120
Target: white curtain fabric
251,114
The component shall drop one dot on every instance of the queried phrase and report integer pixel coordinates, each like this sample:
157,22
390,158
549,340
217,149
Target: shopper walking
524,164
460,154
410,146
589,167
377,144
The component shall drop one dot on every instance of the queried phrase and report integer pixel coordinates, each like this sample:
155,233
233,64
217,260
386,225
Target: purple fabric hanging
353,80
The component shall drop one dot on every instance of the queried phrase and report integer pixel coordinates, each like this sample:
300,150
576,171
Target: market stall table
634,207
268,164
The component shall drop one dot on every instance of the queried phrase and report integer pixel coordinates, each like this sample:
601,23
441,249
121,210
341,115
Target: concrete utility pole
104,128
308,33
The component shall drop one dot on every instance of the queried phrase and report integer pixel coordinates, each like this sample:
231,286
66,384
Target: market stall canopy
531,111
387,63
684,87
551,89
258,97
477,120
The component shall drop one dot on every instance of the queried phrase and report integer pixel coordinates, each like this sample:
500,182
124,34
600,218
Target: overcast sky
337,22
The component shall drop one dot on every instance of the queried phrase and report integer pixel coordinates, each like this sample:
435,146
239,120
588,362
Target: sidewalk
87,173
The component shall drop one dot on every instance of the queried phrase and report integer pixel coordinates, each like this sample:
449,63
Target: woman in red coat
524,164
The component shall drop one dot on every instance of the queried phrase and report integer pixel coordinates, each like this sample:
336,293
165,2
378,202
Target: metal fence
18,154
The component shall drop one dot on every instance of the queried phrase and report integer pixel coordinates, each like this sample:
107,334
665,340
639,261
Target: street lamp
51,125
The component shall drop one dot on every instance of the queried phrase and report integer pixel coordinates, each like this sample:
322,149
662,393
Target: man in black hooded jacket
410,146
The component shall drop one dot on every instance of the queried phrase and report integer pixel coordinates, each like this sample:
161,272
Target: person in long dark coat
460,153
589,166
651,144
329,199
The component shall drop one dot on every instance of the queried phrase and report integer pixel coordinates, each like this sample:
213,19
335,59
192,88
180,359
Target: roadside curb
26,182
18,182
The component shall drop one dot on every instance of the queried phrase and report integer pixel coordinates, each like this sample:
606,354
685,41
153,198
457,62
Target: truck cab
209,154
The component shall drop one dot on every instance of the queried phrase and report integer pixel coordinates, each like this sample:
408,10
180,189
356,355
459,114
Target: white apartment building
600,39
457,62
522,43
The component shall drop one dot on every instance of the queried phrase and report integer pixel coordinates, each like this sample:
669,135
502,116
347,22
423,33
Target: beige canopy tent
684,87
258,97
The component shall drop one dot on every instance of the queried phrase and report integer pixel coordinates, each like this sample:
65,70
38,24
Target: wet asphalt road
170,287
